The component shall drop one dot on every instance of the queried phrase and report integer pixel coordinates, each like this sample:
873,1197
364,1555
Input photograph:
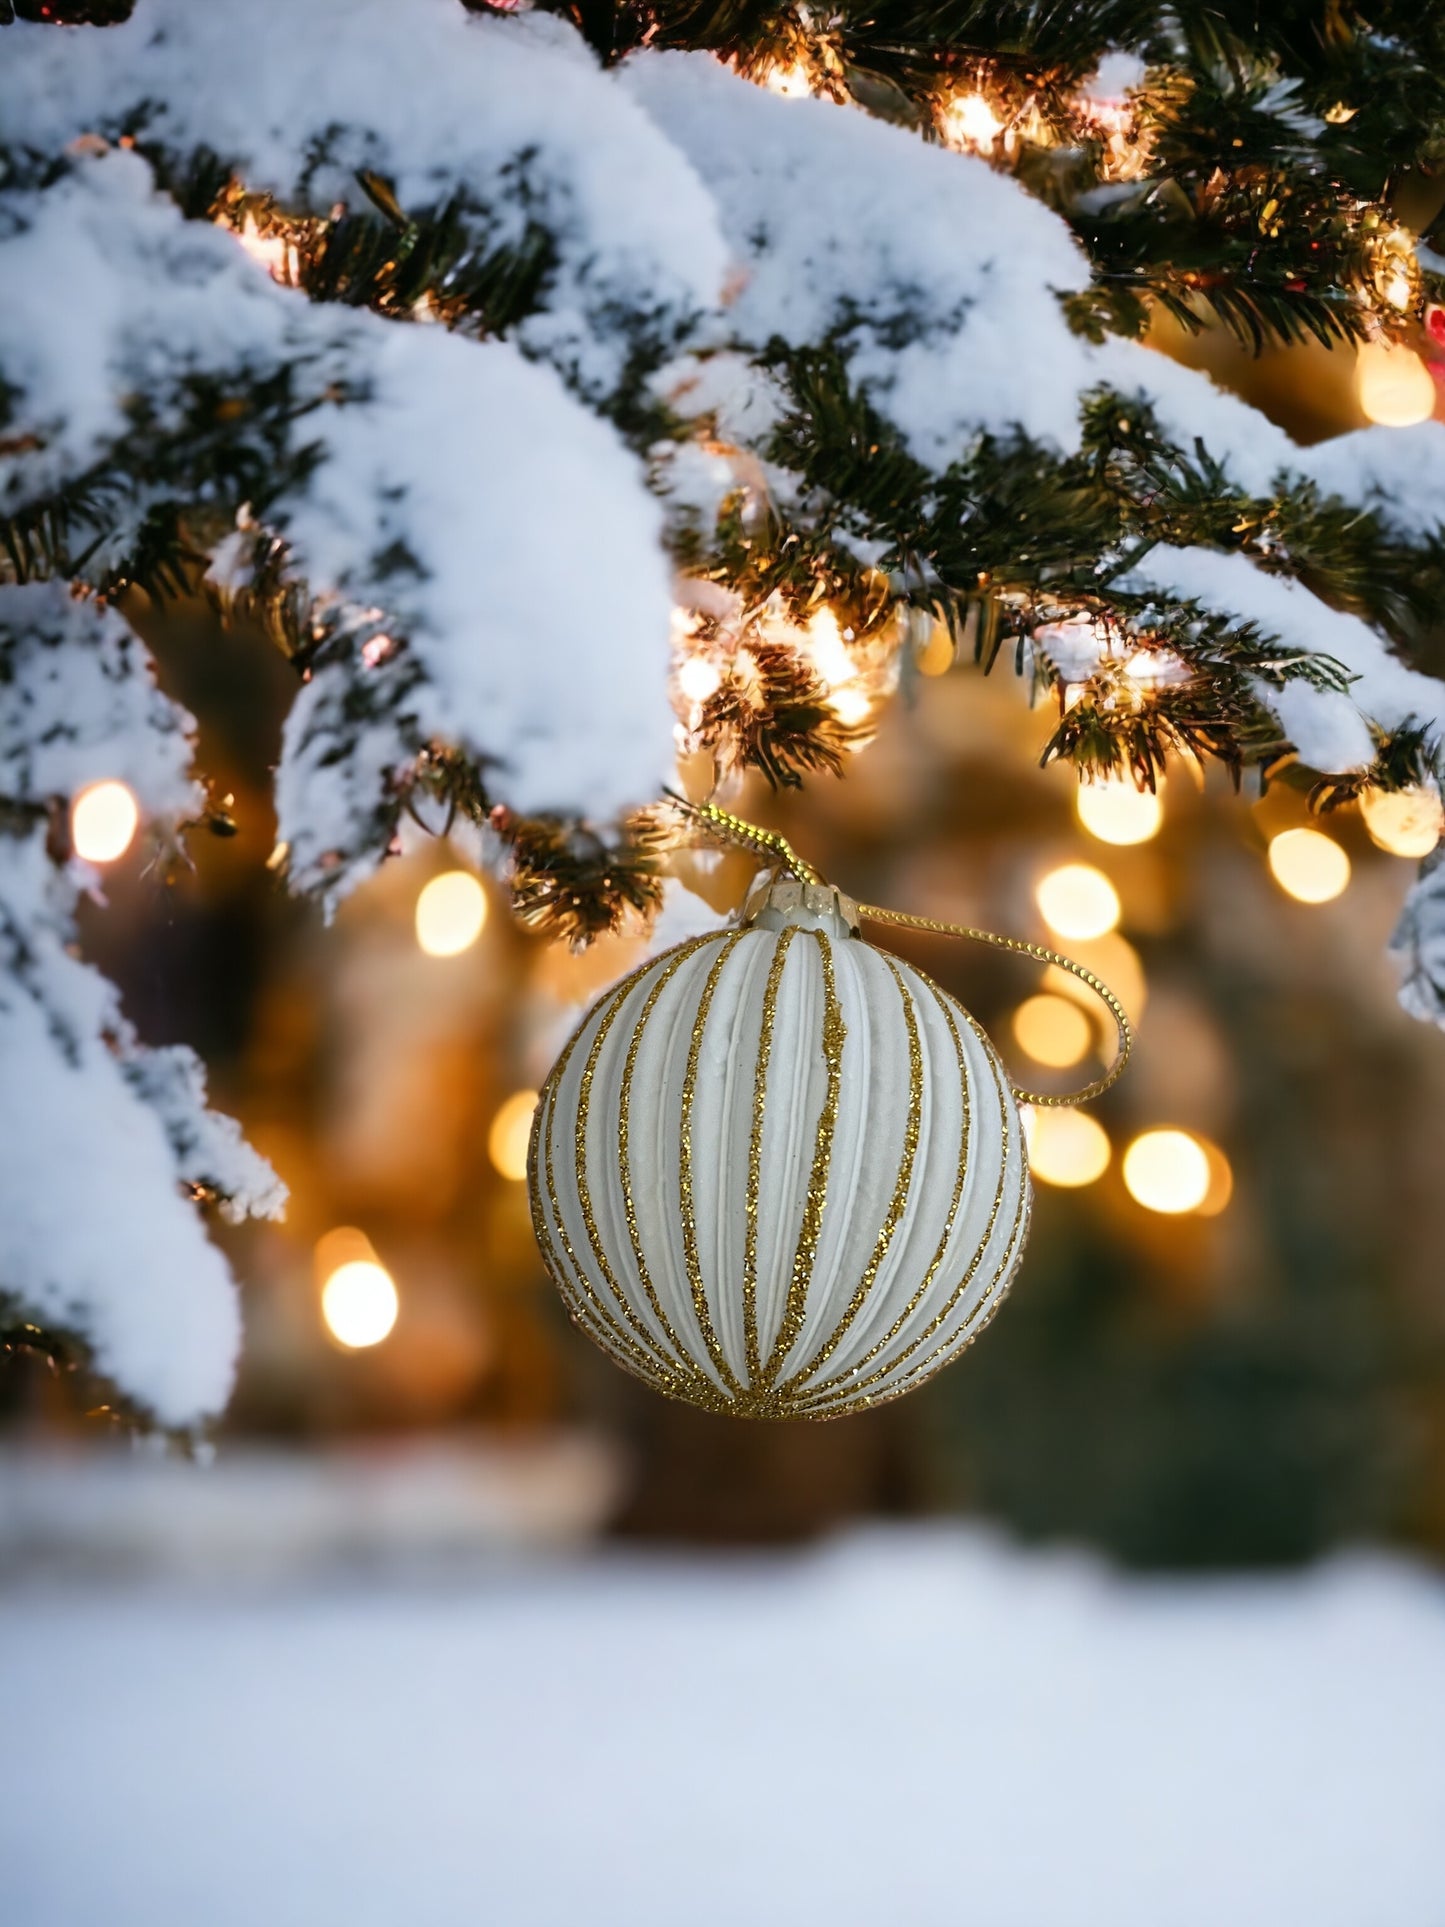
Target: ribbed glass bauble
778,1172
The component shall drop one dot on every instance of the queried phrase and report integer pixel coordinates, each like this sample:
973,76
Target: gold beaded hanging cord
778,1172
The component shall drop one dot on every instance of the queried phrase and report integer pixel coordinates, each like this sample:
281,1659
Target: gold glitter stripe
755,1154
674,963
941,1317
689,1222
647,1360
828,1385
973,1327
897,1203
835,1033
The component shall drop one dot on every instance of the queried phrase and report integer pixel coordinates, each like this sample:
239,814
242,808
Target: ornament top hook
795,891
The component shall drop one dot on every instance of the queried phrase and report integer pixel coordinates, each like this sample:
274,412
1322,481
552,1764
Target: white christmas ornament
777,1172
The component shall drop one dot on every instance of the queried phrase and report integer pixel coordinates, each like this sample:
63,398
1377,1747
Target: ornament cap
775,901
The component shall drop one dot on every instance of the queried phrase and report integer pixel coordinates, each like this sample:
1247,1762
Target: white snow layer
78,704
502,527
97,1134
512,114
928,1728
937,275
95,1236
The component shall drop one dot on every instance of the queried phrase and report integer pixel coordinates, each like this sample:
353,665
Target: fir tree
554,385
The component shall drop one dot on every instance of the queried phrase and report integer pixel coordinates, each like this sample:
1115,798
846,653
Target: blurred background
1223,1363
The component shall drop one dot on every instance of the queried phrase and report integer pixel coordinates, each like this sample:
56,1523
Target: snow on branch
1330,730
936,276
101,1139
424,488
299,98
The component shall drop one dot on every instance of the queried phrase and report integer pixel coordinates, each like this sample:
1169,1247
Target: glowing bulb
698,678
1067,1148
791,81
850,706
1167,1171
1404,822
936,655
1052,1030
1077,901
103,819
1395,387
450,914
1116,812
1308,865
359,1303
972,121
511,1133
828,652
272,251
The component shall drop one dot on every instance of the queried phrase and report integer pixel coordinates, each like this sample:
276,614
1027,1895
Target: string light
103,820
790,81
272,251
1308,865
1167,1171
359,1302
1078,901
1052,1030
510,1135
850,705
698,679
451,913
1067,1148
1394,386
971,122
1116,812
1405,822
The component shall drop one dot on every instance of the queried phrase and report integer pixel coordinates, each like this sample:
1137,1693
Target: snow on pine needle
100,1138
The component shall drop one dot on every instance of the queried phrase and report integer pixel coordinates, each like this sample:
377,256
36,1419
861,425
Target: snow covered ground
928,1728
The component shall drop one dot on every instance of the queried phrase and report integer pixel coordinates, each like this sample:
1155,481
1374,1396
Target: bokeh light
511,1133
359,1303
1053,1030
103,820
451,913
698,678
1116,812
1078,901
1308,865
1167,1171
1404,822
1395,388
1067,1148
973,122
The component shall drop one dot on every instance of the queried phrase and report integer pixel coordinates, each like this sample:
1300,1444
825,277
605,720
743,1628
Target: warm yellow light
511,1133
1395,388
1221,1182
850,706
450,914
1308,865
1115,961
936,656
791,81
103,819
359,1303
1067,1148
1167,1171
1404,822
1052,1030
972,121
1078,901
698,678
828,653
1115,812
